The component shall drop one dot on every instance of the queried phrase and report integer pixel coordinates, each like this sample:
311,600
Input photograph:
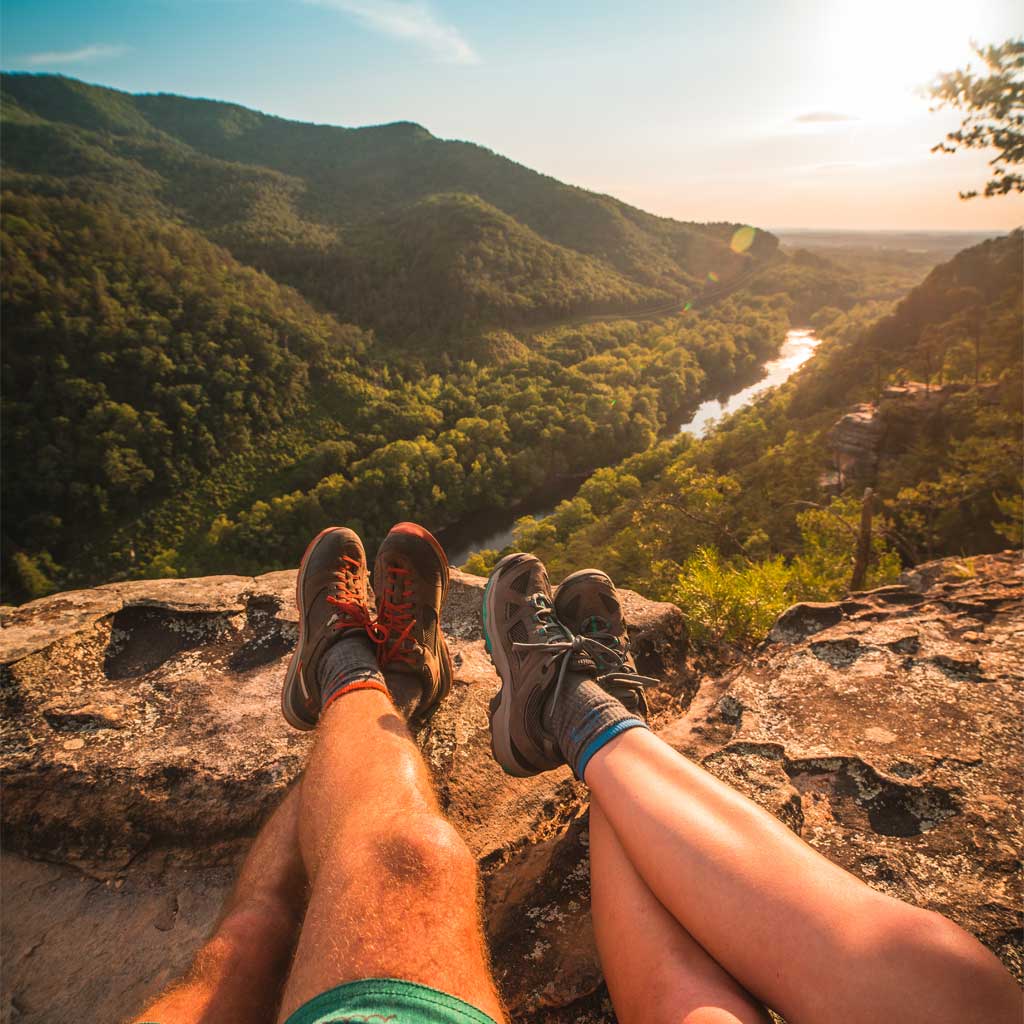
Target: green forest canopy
224,331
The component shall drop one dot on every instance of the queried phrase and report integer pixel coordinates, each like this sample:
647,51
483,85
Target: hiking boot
333,600
410,579
525,639
587,604
563,693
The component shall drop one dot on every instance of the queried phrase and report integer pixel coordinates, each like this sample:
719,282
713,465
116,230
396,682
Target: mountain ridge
299,200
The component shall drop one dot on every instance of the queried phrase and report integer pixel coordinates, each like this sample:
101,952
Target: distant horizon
759,114
773,229
994,232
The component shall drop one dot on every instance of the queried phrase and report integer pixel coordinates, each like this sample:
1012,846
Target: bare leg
656,973
239,972
395,889
801,934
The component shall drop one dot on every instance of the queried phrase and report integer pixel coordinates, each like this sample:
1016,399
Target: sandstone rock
143,745
804,620
142,727
898,733
855,441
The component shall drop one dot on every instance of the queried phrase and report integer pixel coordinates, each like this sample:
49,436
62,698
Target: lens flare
743,238
712,276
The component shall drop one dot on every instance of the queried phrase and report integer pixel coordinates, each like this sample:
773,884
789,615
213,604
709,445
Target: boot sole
500,710
294,672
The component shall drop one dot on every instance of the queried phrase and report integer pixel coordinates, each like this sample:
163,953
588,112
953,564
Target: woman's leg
799,932
656,973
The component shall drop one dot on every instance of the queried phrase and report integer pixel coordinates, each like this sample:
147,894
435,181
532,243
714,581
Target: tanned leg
656,973
394,888
798,932
239,973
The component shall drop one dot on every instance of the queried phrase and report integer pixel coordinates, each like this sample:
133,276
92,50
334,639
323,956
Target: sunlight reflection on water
796,350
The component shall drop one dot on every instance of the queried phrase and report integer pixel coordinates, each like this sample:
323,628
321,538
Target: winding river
798,347
496,531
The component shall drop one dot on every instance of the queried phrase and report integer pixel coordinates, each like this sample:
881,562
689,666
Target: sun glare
880,53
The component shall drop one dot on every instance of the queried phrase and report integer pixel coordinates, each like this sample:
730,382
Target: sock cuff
604,736
369,683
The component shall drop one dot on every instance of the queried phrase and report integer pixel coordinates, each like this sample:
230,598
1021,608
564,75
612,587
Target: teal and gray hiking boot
410,579
564,694
587,603
519,626
332,596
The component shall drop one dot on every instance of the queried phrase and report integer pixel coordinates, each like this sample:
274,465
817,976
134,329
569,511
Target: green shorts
387,1001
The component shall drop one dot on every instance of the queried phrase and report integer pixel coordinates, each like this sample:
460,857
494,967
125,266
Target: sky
779,113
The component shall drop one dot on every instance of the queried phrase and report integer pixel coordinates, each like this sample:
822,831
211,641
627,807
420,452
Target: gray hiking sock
351,663
585,718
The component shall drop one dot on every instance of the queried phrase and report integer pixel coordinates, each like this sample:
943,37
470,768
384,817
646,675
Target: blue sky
781,113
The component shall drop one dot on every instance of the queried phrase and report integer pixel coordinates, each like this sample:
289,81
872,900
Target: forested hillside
185,385
224,331
153,383
736,526
387,226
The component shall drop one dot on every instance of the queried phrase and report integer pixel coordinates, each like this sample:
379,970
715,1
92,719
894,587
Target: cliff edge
143,745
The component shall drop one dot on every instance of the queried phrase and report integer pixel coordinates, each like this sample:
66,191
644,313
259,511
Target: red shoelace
350,600
396,618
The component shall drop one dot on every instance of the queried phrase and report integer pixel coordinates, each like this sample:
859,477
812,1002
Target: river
495,531
798,347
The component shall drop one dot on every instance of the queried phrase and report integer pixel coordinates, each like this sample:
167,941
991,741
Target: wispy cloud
408,20
843,166
100,51
824,117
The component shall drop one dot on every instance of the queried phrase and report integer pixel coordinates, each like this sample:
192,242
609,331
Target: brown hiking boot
410,579
587,604
332,597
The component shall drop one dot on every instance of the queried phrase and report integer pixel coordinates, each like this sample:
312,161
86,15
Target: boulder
143,745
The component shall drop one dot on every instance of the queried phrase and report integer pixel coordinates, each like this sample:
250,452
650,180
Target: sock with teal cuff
349,665
587,717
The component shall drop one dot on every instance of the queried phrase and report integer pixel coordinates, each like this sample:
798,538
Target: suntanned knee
423,850
961,967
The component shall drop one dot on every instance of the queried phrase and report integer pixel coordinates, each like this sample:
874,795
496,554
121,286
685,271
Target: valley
360,326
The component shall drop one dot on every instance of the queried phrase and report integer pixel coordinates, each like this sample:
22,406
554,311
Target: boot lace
397,618
563,645
349,598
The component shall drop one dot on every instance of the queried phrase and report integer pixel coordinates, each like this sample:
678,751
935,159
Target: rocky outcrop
143,745
855,441
870,433
885,730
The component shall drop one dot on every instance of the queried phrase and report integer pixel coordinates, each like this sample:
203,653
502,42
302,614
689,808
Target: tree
994,108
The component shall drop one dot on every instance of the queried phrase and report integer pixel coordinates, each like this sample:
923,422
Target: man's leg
655,971
239,972
395,893
799,932
394,888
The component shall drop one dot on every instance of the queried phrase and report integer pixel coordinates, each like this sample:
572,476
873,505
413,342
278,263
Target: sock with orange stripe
349,665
